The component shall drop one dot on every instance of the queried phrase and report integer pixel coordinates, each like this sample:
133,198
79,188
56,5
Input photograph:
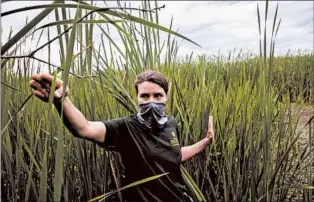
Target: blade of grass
58,180
26,29
62,22
104,196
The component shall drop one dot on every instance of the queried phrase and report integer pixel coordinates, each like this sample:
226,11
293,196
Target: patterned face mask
152,114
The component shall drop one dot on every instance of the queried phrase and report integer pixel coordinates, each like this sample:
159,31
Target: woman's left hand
210,135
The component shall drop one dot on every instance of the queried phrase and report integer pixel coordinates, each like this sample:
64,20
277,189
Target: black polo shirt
145,153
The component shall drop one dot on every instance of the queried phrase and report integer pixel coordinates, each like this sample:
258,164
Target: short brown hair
152,76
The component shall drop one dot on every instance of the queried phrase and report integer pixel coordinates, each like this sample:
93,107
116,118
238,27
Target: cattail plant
262,152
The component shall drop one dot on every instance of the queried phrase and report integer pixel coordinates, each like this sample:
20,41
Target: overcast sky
212,24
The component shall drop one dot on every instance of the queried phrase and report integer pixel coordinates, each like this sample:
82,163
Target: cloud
216,26
226,25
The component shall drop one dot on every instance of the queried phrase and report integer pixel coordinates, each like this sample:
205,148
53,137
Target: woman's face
150,92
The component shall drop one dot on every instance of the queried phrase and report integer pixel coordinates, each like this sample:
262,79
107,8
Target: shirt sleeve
114,132
178,131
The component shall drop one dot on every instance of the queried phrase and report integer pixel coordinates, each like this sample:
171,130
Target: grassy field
261,107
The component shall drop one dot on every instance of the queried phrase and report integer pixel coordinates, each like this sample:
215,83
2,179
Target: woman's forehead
150,87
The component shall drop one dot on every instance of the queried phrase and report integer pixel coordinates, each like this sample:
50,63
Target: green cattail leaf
53,86
104,196
43,186
192,185
101,11
63,22
149,24
58,181
26,28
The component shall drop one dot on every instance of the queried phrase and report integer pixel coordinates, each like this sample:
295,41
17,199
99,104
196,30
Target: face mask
152,115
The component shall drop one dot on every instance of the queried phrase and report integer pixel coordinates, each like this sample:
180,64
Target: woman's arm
191,150
73,119
78,125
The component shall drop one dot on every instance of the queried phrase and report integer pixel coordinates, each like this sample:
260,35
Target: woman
146,141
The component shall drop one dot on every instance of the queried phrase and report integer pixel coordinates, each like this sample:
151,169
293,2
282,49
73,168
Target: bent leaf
104,196
63,22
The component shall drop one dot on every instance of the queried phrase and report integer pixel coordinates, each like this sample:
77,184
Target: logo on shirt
174,141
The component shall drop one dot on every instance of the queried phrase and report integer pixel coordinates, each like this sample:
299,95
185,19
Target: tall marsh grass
258,154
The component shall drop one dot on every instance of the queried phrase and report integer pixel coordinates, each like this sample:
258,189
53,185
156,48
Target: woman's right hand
41,83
